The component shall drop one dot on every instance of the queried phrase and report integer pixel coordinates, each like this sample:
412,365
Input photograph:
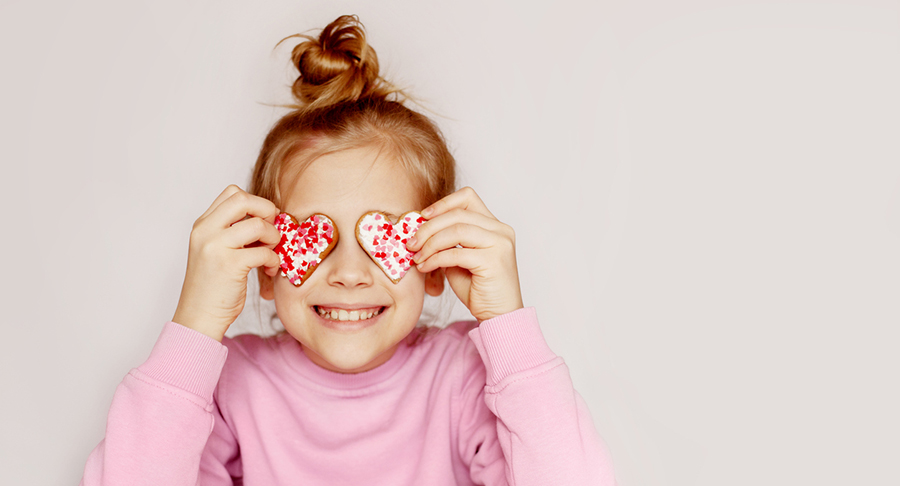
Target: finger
228,192
242,205
465,198
456,216
260,256
249,231
454,257
463,235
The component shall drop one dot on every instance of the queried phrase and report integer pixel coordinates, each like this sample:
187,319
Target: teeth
344,315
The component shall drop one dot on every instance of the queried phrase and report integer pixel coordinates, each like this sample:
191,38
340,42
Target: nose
348,264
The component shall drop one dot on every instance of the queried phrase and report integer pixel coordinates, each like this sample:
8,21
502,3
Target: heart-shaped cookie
385,242
304,245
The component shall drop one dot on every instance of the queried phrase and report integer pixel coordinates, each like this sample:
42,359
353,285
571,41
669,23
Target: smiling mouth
338,314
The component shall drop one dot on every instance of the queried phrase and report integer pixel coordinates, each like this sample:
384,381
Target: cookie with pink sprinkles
385,241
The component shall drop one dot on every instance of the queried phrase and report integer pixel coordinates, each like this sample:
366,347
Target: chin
353,360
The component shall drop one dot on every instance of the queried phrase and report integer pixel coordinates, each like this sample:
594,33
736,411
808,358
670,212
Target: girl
353,391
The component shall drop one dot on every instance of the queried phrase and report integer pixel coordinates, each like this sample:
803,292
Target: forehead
349,182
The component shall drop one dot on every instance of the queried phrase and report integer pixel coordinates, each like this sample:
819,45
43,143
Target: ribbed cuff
187,359
511,343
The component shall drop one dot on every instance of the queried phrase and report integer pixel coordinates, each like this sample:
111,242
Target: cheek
412,286
287,293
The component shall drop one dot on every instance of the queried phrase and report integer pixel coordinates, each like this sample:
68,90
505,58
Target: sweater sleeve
164,426
522,421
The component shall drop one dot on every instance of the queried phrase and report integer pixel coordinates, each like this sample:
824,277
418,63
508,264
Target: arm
162,417
164,426
526,423
521,421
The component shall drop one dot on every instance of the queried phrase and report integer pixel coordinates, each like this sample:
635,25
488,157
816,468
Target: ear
434,282
266,285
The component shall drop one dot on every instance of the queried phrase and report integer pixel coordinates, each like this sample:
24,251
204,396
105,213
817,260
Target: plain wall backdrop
721,180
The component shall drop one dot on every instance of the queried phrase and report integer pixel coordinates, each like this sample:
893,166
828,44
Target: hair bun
337,66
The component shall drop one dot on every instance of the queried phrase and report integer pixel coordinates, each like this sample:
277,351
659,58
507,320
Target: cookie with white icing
385,241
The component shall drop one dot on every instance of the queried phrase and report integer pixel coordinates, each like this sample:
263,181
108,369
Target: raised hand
234,235
476,251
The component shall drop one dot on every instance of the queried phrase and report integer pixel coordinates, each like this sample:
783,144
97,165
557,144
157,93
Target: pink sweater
488,404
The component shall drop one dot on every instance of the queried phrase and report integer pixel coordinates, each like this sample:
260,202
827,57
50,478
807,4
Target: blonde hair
343,103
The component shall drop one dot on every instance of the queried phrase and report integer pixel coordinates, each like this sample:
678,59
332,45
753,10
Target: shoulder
449,349
253,363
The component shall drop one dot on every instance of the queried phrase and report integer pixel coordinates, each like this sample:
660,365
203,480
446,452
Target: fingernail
411,242
427,211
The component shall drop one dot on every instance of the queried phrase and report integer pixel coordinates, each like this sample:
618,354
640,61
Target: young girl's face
343,186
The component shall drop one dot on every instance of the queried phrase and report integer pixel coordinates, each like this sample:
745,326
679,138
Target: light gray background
706,196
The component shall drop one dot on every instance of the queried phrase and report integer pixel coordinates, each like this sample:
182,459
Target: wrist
484,316
200,325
